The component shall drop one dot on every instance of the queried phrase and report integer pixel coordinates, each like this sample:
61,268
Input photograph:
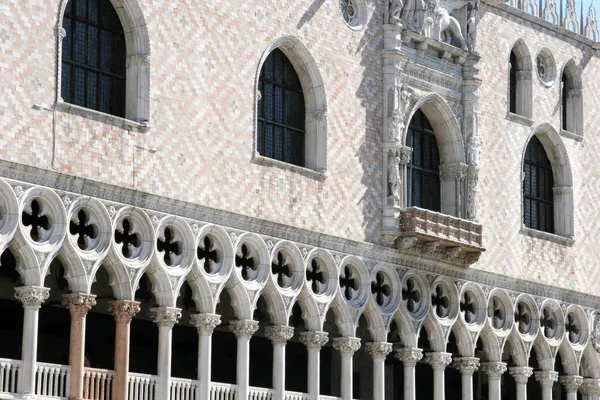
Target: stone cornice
371,252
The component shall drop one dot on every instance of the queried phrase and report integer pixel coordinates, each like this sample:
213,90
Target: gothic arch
562,174
137,41
522,90
590,362
571,99
315,98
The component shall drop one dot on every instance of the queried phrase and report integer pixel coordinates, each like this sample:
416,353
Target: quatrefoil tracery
282,269
469,308
246,263
523,318
548,323
170,246
411,295
348,283
440,302
129,239
83,229
380,289
207,252
37,219
316,277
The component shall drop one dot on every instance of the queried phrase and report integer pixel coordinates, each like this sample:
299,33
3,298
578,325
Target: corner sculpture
433,19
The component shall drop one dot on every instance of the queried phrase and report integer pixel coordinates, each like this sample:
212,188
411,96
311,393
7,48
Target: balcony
52,382
433,235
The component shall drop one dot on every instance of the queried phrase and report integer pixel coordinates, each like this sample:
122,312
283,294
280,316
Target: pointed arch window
538,188
281,111
512,101
93,57
571,101
423,175
519,81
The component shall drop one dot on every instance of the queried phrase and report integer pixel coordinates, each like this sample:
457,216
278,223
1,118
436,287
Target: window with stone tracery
571,100
520,70
281,111
93,57
538,187
423,175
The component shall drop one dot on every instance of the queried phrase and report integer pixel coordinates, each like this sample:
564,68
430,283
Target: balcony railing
52,382
431,234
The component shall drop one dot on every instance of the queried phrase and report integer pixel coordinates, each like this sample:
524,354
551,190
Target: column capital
546,377
243,328
165,316
520,374
32,297
494,369
79,303
466,365
409,355
571,382
346,345
279,334
590,386
123,310
378,350
205,323
438,360
314,339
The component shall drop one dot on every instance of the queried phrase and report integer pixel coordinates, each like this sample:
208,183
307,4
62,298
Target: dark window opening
93,57
423,176
566,85
280,111
513,83
538,184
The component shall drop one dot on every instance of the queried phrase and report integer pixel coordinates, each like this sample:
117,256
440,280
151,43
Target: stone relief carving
473,150
595,337
400,100
394,178
471,27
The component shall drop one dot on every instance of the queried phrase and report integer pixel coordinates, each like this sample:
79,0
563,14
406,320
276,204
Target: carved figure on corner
471,26
472,195
399,102
394,178
413,14
396,12
473,150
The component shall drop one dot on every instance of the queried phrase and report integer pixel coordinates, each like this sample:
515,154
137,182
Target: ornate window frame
137,40
572,107
315,103
523,90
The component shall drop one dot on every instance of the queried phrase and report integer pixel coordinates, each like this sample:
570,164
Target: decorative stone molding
438,361
279,334
466,365
243,328
546,377
123,310
205,323
32,297
165,316
347,345
493,369
314,339
79,303
520,374
571,382
409,356
378,350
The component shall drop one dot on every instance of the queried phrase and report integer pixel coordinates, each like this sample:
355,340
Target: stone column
410,357
590,389
347,346
279,335
546,380
124,311
243,330
165,318
467,366
494,371
521,375
32,298
571,384
439,362
78,304
314,340
378,351
205,325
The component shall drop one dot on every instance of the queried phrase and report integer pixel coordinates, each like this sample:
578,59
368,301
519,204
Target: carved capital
405,155
314,339
79,303
136,60
493,369
453,172
562,190
546,377
32,297
409,356
279,334
243,328
520,374
590,387
346,345
466,365
62,33
438,361
123,310
524,75
571,382
378,350
205,323
165,316
573,93
319,115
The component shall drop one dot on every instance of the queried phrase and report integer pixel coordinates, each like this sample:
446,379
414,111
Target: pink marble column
124,311
78,304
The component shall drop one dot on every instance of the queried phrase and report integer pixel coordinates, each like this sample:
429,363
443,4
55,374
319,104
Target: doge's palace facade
289,200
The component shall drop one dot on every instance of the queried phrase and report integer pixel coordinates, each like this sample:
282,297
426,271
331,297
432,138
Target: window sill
519,119
551,237
99,116
271,162
571,135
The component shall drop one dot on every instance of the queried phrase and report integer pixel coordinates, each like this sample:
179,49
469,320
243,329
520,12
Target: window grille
538,184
